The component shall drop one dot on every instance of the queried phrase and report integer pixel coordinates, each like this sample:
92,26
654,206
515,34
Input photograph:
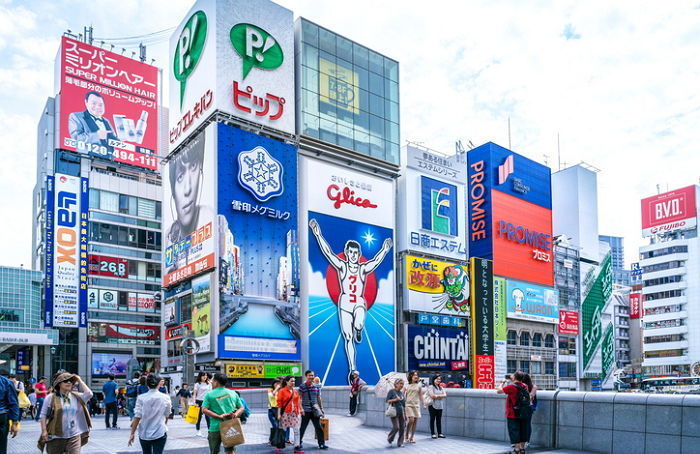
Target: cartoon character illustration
456,290
352,277
518,296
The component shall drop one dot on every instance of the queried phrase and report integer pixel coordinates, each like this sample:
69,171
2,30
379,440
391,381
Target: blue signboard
432,348
440,320
532,302
258,247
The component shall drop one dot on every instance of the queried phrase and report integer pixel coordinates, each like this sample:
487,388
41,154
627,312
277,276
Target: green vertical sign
188,50
608,350
592,309
500,328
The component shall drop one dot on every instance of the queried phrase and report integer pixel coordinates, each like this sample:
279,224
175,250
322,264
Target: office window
109,201
536,367
549,341
512,367
525,338
549,368
537,340
512,337
525,366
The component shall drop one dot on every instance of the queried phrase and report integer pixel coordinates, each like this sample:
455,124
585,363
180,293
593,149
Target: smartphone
507,376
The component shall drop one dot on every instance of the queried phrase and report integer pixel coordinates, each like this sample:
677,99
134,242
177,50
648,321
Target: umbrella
387,382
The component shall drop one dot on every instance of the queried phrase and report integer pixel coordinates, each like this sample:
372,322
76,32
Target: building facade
621,276
567,269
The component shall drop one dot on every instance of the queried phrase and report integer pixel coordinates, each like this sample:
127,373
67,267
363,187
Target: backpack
522,407
132,389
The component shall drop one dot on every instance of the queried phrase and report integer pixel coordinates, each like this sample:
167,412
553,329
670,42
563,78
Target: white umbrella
387,382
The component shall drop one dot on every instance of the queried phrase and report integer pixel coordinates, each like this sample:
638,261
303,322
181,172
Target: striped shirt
310,394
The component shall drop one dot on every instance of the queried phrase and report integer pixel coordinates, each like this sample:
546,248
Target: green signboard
592,309
500,329
281,370
608,350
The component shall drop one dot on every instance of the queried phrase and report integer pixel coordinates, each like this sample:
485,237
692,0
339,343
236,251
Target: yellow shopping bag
23,400
192,414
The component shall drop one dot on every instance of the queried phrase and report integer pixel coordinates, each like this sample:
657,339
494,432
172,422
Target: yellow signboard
245,370
435,286
339,86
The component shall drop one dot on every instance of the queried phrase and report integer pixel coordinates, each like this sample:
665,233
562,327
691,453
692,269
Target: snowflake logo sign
260,173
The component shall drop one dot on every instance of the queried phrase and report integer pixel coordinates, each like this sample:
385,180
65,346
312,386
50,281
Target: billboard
608,349
568,322
481,271
201,311
101,265
596,297
532,302
258,248
636,303
674,210
432,348
500,326
104,364
436,166
66,291
123,333
234,56
189,199
108,105
435,286
349,273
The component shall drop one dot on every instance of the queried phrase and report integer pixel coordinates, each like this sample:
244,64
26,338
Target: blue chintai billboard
258,247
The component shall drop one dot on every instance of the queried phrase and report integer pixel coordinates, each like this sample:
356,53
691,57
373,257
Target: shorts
412,411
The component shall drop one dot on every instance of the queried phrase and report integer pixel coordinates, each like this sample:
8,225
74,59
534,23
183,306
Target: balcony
525,353
666,331
664,346
665,287
665,316
681,256
664,273
670,361
665,302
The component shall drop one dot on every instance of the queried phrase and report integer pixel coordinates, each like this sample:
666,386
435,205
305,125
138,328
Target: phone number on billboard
119,154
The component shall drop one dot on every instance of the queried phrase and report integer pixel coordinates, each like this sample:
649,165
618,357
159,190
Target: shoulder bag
318,412
391,410
279,435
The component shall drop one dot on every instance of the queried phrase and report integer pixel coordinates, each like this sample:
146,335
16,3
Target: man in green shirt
219,404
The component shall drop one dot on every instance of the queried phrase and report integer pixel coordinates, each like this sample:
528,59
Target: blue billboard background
532,302
375,353
439,355
258,249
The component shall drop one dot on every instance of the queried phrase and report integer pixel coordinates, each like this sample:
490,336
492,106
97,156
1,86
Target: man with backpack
132,392
518,411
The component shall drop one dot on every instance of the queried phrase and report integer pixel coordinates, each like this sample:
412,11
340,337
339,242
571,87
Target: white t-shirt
153,408
200,389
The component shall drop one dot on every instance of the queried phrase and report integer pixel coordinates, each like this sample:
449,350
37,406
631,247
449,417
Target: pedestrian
396,399
69,426
220,404
437,394
312,409
246,409
32,403
356,384
289,410
174,401
9,411
518,411
161,386
201,388
109,390
527,380
272,408
414,403
150,418
93,406
40,389
132,392
184,395
142,388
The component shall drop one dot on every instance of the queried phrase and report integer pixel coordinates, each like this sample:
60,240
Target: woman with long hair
201,388
289,410
437,395
518,411
65,419
414,403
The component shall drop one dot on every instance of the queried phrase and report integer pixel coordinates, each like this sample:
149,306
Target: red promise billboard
669,211
108,105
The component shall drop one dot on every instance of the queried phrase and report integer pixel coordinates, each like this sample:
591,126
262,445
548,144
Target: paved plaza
348,435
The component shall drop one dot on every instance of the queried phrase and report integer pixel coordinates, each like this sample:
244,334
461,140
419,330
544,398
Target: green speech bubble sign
256,47
189,49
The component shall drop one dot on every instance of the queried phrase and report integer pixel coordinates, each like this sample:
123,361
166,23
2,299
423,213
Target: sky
615,81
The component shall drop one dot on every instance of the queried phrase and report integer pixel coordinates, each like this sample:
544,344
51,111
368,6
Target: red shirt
283,396
511,399
40,390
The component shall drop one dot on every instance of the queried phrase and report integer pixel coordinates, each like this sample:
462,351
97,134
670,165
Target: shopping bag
192,414
23,400
278,438
325,426
231,432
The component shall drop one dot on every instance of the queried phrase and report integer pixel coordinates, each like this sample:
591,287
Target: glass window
146,208
376,126
124,204
159,211
536,367
67,164
309,80
360,55
549,341
310,57
391,90
525,338
109,201
525,366
391,69
376,63
512,337
133,206
309,33
327,130
344,48
376,105
309,102
549,368
326,41
310,125
376,84
537,340
512,367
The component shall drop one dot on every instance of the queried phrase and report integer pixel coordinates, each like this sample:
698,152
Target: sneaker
199,434
441,436
322,447
433,436
115,427
298,450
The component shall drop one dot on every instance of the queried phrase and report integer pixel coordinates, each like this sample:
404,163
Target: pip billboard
66,291
432,347
108,105
484,366
258,247
435,286
349,274
674,210
188,209
234,56
532,302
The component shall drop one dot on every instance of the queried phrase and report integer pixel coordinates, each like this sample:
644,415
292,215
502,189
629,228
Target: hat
60,378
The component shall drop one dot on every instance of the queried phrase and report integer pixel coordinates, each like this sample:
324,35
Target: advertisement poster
171,312
569,322
484,366
436,286
674,210
532,302
104,364
596,298
101,265
350,279
258,248
123,333
500,326
108,105
234,56
608,351
636,300
201,311
66,290
188,209
433,348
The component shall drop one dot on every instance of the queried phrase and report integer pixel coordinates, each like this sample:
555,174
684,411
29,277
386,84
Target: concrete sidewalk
347,435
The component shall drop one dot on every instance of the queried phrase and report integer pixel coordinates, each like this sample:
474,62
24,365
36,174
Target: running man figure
352,276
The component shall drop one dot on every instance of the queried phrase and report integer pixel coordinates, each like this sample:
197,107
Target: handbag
231,432
325,428
318,412
390,411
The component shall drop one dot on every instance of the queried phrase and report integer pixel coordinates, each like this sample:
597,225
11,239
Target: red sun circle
333,284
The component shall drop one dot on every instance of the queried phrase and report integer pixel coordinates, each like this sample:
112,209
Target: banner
171,312
101,265
245,370
123,333
481,271
66,293
500,327
592,308
636,305
188,209
532,302
258,247
177,332
432,348
349,274
608,348
108,105
568,322
104,364
201,311
282,370
436,286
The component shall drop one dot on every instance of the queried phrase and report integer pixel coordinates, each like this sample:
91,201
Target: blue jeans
130,405
272,416
39,404
153,446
